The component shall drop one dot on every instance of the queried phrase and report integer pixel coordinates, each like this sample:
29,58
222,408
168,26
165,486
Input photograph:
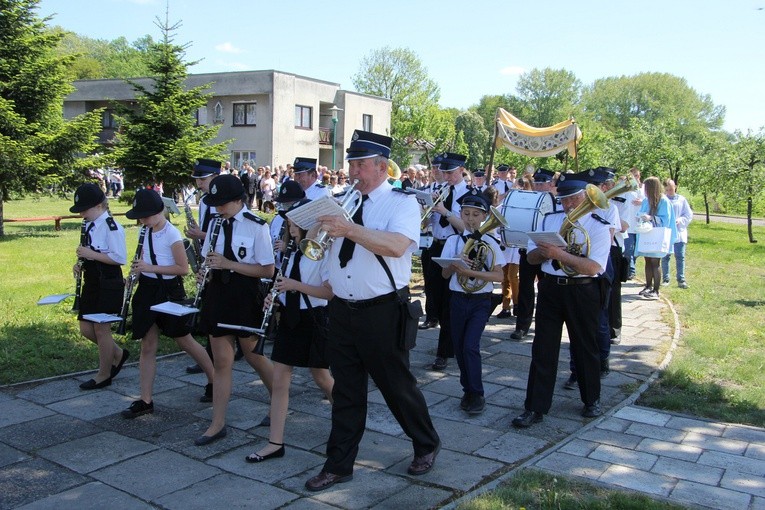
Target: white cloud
227,47
234,66
512,71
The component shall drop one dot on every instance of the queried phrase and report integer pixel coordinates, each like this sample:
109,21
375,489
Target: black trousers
578,306
615,300
437,295
364,342
527,275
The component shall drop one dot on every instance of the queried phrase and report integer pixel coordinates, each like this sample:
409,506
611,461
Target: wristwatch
448,215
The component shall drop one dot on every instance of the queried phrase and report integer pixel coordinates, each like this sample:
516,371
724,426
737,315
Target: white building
270,117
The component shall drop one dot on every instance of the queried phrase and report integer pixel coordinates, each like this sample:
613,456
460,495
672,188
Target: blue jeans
679,263
629,251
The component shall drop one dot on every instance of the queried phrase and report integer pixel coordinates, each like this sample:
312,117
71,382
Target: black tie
87,234
292,300
444,222
228,233
346,250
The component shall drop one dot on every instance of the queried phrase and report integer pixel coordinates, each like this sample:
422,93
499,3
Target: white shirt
107,236
600,240
453,249
503,186
683,216
316,191
251,241
364,277
440,232
312,272
162,243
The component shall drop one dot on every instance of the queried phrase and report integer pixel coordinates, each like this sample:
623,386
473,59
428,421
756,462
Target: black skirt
102,289
303,344
152,291
231,298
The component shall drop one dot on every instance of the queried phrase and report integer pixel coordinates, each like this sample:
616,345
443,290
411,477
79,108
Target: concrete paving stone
655,432
43,432
310,402
9,455
624,457
733,462
87,454
302,430
705,427
685,470
608,437
758,504
414,496
380,419
509,361
91,496
33,479
20,411
246,383
578,447
709,497
508,346
242,413
614,424
183,399
572,465
92,405
509,398
755,451
669,449
147,426
155,474
6,396
471,470
744,482
638,480
308,503
449,386
50,391
450,410
744,433
380,451
181,440
642,415
718,444
235,491
511,447
368,488
509,378
273,471
462,436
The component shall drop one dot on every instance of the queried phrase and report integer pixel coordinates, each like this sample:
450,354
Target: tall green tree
747,172
159,140
398,74
98,58
470,125
38,148
547,96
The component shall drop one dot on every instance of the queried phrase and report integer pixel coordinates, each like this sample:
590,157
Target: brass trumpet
443,193
481,251
595,198
627,183
315,249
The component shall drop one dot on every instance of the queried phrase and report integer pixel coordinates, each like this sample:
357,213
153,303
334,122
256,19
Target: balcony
325,136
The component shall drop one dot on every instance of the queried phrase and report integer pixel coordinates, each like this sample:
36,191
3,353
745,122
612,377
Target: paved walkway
63,448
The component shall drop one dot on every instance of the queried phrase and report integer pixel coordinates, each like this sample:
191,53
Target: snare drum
524,211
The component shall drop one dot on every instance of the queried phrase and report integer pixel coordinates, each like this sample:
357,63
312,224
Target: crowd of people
345,313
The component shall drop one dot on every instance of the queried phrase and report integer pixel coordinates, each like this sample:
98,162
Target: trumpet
315,249
80,262
443,194
193,246
205,268
481,251
595,198
261,332
130,284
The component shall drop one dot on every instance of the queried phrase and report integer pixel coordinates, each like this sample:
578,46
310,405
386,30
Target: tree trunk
749,220
706,207
2,218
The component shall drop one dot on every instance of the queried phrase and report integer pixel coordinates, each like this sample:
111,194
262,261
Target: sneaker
682,284
644,291
651,294
665,281
504,314
571,383
138,408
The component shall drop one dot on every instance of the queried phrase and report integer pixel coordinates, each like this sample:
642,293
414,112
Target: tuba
480,251
595,198
315,249
627,183
394,172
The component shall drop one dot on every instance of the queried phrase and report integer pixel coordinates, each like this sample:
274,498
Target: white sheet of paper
176,309
447,261
53,299
238,327
102,318
305,216
425,198
553,238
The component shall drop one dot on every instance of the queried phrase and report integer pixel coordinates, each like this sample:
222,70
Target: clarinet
196,247
274,294
80,262
131,279
205,268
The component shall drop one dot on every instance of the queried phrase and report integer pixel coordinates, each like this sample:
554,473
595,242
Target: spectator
683,216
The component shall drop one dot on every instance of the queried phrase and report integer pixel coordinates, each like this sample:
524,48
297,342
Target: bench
56,219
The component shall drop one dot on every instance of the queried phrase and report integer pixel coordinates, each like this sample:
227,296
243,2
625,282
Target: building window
108,121
303,117
239,158
218,119
366,122
244,114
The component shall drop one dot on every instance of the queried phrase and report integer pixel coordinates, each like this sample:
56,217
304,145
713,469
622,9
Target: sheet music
102,318
176,309
448,261
553,238
424,198
240,328
53,299
305,215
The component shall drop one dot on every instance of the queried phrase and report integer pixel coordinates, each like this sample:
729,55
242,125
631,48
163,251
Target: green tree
38,148
477,139
398,74
547,96
747,172
98,58
158,139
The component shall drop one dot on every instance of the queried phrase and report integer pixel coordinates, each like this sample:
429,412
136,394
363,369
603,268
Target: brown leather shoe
325,480
424,463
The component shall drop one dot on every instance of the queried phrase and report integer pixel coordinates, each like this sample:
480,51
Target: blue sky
470,48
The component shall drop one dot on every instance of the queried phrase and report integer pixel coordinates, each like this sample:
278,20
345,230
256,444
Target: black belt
359,304
564,280
439,241
475,295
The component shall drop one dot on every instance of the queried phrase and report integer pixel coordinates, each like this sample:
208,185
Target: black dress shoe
203,440
571,383
116,369
138,408
432,323
439,363
91,384
476,405
325,480
254,457
504,314
424,463
518,334
194,369
527,419
265,422
593,410
465,401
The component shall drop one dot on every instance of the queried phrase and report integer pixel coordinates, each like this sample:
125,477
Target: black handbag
411,311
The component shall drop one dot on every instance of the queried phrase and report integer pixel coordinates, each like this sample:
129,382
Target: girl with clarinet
160,266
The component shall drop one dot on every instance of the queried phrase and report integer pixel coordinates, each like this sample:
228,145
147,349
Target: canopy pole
489,171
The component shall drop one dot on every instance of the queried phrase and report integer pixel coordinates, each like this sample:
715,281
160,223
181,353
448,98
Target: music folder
102,318
305,216
553,238
177,309
53,299
448,261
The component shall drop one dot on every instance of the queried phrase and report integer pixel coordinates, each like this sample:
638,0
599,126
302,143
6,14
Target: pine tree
38,148
158,140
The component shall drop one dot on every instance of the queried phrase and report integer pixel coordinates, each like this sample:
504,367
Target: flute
131,279
80,262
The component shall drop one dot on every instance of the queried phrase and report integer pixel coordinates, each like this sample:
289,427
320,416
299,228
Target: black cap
570,184
543,175
303,165
205,168
474,199
436,161
224,189
87,195
147,203
290,191
452,161
365,144
479,173
604,174
503,168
